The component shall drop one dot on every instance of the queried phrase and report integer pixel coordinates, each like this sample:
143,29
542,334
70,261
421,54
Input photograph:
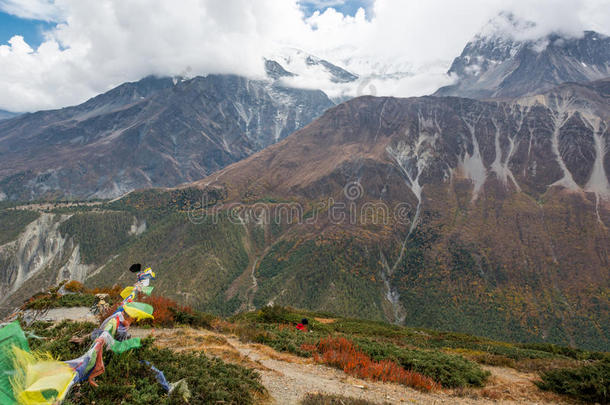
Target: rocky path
79,314
289,378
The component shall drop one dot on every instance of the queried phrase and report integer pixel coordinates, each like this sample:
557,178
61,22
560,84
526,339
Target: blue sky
346,7
31,30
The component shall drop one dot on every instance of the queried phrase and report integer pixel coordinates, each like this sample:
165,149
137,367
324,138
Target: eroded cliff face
558,139
42,256
39,246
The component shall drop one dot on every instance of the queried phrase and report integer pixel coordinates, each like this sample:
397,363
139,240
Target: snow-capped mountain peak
506,59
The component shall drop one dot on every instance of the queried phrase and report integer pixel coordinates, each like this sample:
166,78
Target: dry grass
325,321
541,365
281,356
182,340
507,384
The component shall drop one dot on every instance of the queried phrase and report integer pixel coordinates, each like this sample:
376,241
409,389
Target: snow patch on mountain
472,165
511,58
500,166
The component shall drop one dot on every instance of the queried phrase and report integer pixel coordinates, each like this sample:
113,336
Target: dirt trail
79,314
289,378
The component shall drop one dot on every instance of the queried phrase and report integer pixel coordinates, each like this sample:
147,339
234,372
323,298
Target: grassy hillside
127,380
198,261
442,361
99,235
453,360
444,279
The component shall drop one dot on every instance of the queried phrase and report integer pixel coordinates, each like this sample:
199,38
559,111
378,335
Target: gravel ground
80,314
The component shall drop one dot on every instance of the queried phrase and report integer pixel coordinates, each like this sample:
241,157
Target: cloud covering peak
404,47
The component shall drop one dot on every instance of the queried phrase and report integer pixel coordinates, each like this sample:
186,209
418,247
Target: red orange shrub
165,310
343,354
113,292
167,313
74,286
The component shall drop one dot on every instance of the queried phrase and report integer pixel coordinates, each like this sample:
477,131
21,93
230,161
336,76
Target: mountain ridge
4,115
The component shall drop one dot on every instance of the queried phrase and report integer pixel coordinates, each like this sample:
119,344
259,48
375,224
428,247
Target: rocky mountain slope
6,115
450,213
508,206
155,132
37,249
500,66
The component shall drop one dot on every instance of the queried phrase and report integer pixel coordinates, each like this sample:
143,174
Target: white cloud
403,49
44,10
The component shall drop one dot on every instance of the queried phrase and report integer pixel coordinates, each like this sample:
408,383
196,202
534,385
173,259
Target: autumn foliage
343,354
165,310
167,313
74,286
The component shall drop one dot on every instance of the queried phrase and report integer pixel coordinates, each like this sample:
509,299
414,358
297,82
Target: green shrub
512,351
281,337
76,300
588,383
448,369
276,314
287,340
369,328
127,380
13,222
194,318
571,352
55,300
56,338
